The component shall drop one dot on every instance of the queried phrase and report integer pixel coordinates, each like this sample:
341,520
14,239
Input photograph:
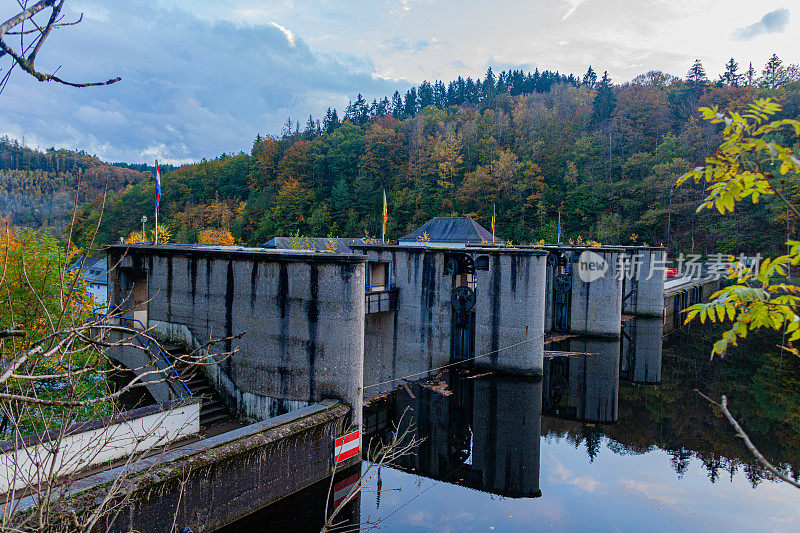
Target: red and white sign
342,489
346,447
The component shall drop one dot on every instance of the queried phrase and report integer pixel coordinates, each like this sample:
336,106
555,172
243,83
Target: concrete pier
584,290
643,293
480,305
301,313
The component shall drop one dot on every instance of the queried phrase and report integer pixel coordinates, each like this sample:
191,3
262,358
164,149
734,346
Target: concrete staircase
213,408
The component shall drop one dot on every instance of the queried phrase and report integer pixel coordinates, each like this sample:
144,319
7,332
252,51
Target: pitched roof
451,230
94,270
312,243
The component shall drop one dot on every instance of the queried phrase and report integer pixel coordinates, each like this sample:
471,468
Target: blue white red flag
158,184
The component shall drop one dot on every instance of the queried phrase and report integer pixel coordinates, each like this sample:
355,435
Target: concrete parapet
208,484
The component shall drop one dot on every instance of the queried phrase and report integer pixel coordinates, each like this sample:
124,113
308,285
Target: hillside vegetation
40,189
607,156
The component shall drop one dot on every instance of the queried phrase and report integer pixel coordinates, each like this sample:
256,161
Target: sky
200,78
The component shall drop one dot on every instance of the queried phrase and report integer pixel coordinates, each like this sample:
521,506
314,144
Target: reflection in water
620,435
641,350
650,444
583,386
484,434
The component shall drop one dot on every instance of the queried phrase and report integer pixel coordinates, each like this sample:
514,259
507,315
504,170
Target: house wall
31,461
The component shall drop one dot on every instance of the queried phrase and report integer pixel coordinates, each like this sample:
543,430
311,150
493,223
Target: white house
95,273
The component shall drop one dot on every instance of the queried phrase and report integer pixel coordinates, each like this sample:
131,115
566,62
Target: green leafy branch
741,168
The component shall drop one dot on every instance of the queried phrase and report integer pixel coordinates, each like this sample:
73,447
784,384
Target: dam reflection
481,432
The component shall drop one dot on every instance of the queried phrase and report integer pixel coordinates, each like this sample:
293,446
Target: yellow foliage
216,236
135,237
742,168
164,235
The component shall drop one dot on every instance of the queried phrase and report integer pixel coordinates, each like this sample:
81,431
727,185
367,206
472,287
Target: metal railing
380,288
149,341
380,300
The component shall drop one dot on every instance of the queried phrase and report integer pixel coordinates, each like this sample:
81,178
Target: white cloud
191,88
773,22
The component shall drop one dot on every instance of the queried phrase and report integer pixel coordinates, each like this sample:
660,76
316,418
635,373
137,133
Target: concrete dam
314,335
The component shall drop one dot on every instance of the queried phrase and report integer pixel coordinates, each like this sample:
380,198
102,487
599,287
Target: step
204,413
207,421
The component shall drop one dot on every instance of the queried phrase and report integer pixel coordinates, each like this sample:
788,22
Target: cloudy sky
204,77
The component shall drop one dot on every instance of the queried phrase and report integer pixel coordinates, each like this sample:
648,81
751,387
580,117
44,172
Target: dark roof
452,230
94,270
312,243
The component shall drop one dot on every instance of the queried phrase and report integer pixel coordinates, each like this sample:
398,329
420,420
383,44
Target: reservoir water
615,438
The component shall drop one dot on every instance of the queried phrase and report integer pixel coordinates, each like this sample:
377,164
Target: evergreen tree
750,76
697,74
331,121
489,88
397,105
425,94
590,78
410,104
731,77
439,95
774,74
604,101
311,129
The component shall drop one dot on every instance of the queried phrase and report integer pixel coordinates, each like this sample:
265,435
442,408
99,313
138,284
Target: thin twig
747,442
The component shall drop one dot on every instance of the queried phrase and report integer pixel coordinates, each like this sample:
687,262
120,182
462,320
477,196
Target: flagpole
158,198
385,216
559,227
493,223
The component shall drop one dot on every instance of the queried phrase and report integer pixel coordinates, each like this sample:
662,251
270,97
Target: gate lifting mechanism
562,291
463,300
462,268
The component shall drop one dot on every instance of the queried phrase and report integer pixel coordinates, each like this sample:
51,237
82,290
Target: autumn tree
265,155
216,236
448,153
292,205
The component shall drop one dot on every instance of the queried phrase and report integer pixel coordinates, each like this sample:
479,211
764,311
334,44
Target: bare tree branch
747,442
25,57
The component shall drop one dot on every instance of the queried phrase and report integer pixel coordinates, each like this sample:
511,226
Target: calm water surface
616,440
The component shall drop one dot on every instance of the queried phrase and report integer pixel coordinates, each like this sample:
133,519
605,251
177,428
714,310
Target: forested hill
606,155
38,188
